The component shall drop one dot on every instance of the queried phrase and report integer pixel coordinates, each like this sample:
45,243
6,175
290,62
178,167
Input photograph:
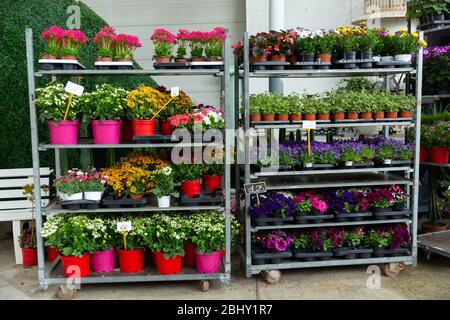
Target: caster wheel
271,276
204,285
65,293
392,270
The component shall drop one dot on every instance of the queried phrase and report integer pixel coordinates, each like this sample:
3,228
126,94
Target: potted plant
77,185
352,245
406,106
277,241
255,107
214,44
282,111
72,42
104,39
189,176
425,143
325,42
281,44
27,241
268,107
212,176
399,196
164,186
295,103
306,45
259,44
197,39
130,245
309,108
379,105
143,103
367,102
124,47
323,108
352,105
103,257
380,200
405,44
52,104
179,105
163,40
183,37
53,39
434,223
337,107
366,43
440,142
274,208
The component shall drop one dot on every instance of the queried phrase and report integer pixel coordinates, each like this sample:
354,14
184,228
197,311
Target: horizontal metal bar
335,125
44,147
256,175
328,73
431,164
331,224
256,269
444,30
150,72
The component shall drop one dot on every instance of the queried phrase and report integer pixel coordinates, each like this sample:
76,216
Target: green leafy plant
163,184
295,103
322,104
303,207
367,42
326,43
386,152
309,104
348,43
349,154
214,169
187,172
306,45
353,238
374,239
105,103
167,234
358,84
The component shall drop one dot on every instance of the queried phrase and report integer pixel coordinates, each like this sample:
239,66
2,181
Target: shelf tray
346,124
327,73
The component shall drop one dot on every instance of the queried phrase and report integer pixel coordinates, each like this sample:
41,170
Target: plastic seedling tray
385,215
353,253
309,255
204,198
60,64
263,257
393,64
114,65
313,218
79,204
378,252
207,65
395,163
354,216
270,122
353,165
264,221
110,202
270,65
353,121
171,65
318,166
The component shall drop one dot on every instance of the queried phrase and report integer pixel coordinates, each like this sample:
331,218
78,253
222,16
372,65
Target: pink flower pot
106,131
208,263
63,132
103,261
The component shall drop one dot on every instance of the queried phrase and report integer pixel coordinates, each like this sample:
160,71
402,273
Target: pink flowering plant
104,39
277,241
183,37
398,194
72,42
197,41
125,45
75,181
164,42
53,38
214,43
380,198
201,118
353,237
310,202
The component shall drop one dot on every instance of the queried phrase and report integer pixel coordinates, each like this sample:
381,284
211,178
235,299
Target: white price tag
308,165
124,226
388,161
74,88
174,91
309,124
349,163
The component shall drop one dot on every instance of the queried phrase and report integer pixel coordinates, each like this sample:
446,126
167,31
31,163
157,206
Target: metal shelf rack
52,274
294,180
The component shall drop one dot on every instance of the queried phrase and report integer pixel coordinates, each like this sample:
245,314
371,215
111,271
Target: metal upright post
35,157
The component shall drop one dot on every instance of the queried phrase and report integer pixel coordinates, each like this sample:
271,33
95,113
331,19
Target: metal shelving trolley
407,176
52,274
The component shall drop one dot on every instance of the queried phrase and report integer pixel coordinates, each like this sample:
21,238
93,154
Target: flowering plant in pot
27,241
255,107
325,42
406,105
189,176
179,105
72,42
295,103
182,40
104,107
321,240
440,142
281,44
197,40
405,44
103,241
104,39
309,107
323,107
124,47
272,205
143,103
353,238
259,44
345,202
53,38
164,41
164,186
380,199
77,184
214,44
51,102
366,43
399,197
212,176
305,44
337,109
277,241
268,105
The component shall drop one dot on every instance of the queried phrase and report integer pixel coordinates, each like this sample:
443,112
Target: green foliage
358,84
304,207
405,44
367,42
187,172
104,103
167,234
386,152
52,101
325,44
306,45
15,16
352,239
214,169
295,104
163,184
349,154
375,239
348,43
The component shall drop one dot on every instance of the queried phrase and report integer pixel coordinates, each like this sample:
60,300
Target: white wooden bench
14,205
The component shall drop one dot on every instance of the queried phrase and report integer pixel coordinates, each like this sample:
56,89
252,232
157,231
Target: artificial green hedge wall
15,16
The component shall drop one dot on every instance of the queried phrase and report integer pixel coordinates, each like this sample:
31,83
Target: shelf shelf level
335,125
149,72
43,147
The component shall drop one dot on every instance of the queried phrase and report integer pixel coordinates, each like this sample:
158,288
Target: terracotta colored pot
391,115
197,59
181,60
261,58
48,56
427,227
104,59
136,196
352,115
123,60
295,117
255,117
268,117
424,154
439,155
365,115
215,59
292,59
378,115
405,114
68,58
325,57
323,116
162,59
338,116
29,256
282,117
278,57
309,116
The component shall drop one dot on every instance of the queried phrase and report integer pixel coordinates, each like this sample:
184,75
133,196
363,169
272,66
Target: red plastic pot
167,266
165,128
29,256
439,155
63,132
143,127
190,188
309,116
189,255
76,267
106,131
52,254
424,154
212,182
131,260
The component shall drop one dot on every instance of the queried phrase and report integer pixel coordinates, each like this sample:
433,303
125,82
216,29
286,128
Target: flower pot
350,55
126,132
323,116
136,196
309,116
325,57
277,57
365,115
181,60
255,117
93,195
391,114
439,155
366,55
387,58
106,131
197,60
29,256
52,254
131,260
68,58
308,57
76,266
338,116
405,114
352,115
162,59
167,266
378,115
48,56
215,59
261,58
403,57
143,127
63,132
123,60
295,117
282,117
165,128
164,202
212,182
208,263
189,255
292,58
104,59
424,154
103,261
427,227
190,188
268,117
72,197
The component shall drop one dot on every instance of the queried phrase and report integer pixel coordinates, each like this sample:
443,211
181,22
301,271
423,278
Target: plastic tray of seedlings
114,65
272,221
79,204
260,256
313,218
378,252
110,202
309,255
393,64
204,198
170,65
270,122
353,216
60,64
387,214
355,165
318,166
355,64
207,65
394,163
270,65
353,253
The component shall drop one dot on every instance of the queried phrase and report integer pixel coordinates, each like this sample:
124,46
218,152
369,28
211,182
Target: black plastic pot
79,204
386,215
353,253
260,257
351,55
436,17
308,57
398,206
264,221
304,219
423,19
361,165
309,255
318,166
110,202
354,216
378,252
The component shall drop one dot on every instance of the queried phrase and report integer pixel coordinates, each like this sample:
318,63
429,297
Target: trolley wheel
392,270
271,276
65,293
204,285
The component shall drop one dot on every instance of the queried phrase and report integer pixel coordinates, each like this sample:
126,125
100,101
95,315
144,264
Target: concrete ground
429,280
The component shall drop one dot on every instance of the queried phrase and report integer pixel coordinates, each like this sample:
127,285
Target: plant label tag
309,124
124,226
387,161
74,88
174,91
255,188
308,165
349,163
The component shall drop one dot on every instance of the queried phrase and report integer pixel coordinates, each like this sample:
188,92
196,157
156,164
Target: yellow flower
415,34
423,43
